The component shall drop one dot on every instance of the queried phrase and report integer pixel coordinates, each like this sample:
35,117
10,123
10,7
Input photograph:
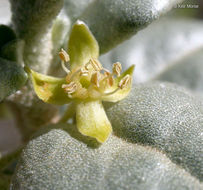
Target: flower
86,84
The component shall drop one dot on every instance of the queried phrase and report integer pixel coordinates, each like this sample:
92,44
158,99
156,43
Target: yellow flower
87,83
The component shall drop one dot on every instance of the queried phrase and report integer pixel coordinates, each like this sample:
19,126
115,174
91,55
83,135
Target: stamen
95,64
96,78
64,56
84,72
109,77
110,80
64,67
124,82
117,69
70,88
106,72
86,66
75,73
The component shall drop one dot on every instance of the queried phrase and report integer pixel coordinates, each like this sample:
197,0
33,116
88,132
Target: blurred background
175,38
5,14
10,138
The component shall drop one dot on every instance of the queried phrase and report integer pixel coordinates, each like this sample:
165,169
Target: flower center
92,80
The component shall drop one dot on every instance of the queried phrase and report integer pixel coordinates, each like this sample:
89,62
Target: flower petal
120,93
82,45
92,120
49,88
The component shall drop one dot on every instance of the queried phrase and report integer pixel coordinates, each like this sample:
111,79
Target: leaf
74,8
49,89
186,72
6,35
10,46
153,49
9,160
92,120
13,51
164,116
7,167
4,181
55,160
12,77
112,22
60,29
81,45
32,21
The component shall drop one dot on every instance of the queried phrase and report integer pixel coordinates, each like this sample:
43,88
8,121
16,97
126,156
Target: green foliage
59,32
74,8
153,49
55,160
12,77
7,167
186,72
32,21
112,22
164,116
4,182
7,35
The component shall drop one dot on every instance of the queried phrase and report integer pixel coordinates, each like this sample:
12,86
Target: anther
124,82
117,68
75,74
95,79
64,56
110,80
70,88
84,72
86,66
109,77
95,64
106,72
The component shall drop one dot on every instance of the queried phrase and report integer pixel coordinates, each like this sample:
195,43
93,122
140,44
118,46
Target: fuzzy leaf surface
112,22
165,116
55,160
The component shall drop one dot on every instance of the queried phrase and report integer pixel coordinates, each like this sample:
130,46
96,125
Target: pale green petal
92,120
82,45
119,94
49,88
